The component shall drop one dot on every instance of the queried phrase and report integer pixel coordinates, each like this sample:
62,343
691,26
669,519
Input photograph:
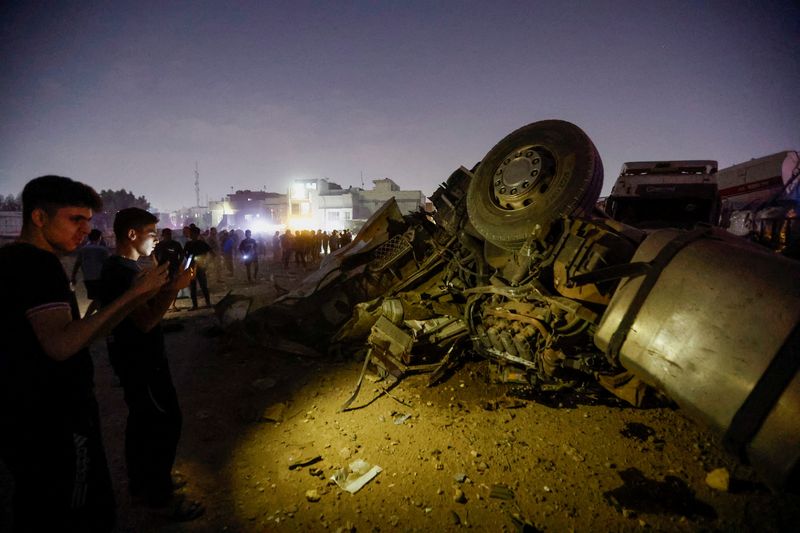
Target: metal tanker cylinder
714,324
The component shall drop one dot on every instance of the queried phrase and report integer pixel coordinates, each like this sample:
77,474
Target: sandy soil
461,454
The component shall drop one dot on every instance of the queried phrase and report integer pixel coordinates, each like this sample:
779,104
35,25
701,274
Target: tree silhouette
11,202
114,201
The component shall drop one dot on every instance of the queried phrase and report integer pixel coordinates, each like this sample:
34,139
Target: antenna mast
197,184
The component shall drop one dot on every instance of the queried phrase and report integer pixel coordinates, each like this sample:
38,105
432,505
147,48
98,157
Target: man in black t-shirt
249,252
136,351
169,251
201,252
49,424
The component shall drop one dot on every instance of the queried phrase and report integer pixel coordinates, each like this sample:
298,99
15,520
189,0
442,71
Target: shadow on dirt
567,397
671,496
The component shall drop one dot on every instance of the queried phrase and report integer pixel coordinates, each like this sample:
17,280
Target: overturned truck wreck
516,265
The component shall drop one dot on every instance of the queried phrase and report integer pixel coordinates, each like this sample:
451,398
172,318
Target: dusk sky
132,94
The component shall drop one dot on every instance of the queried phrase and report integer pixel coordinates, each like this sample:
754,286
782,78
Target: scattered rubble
719,479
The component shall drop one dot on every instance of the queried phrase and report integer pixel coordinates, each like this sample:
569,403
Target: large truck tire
536,174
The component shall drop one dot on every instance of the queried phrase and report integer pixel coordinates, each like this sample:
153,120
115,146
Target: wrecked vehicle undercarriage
517,266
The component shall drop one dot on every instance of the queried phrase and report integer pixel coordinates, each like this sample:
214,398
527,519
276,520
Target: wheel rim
534,175
523,178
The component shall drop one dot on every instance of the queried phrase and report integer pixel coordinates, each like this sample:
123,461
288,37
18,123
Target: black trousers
200,277
59,468
151,434
254,264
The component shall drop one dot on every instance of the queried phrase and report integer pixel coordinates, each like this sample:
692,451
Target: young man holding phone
136,351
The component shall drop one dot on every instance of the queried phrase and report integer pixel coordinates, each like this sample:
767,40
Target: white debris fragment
356,475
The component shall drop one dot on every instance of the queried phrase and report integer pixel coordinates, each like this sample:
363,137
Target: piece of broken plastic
356,475
400,419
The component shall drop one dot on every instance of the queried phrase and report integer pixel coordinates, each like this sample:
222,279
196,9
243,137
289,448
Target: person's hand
184,278
149,282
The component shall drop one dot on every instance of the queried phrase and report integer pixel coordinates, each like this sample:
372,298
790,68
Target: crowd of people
217,253
51,440
223,250
305,246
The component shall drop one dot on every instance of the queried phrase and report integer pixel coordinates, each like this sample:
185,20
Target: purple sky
132,94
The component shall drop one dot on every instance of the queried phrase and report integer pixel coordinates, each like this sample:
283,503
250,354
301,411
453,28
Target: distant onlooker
227,250
249,252
90,262
169,251
287,241
201,253
300,245
326,241
317,244
346,238
334,240
184,238
215,261
276,246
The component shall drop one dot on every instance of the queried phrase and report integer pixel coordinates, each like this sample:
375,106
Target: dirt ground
461,454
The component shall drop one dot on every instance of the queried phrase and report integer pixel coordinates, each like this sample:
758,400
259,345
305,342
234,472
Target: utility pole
197,184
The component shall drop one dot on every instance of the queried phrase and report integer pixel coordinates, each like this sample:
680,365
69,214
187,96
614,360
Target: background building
10,225
322,204
370,201
315,203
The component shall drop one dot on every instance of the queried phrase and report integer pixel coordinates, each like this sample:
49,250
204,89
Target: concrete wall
10,223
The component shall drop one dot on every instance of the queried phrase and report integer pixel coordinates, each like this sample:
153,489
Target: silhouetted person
89,261
201,253
276,247
249,252
326,241
227,250
287,242
215,261
300,245
169,251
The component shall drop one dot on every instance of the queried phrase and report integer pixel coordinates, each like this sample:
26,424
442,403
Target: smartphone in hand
187,262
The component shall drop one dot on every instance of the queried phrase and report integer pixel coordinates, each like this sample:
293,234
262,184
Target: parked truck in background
657,194
759,200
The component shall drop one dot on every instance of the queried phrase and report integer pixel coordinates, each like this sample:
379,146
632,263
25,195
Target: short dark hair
95,235
194,231
131,218
52,192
